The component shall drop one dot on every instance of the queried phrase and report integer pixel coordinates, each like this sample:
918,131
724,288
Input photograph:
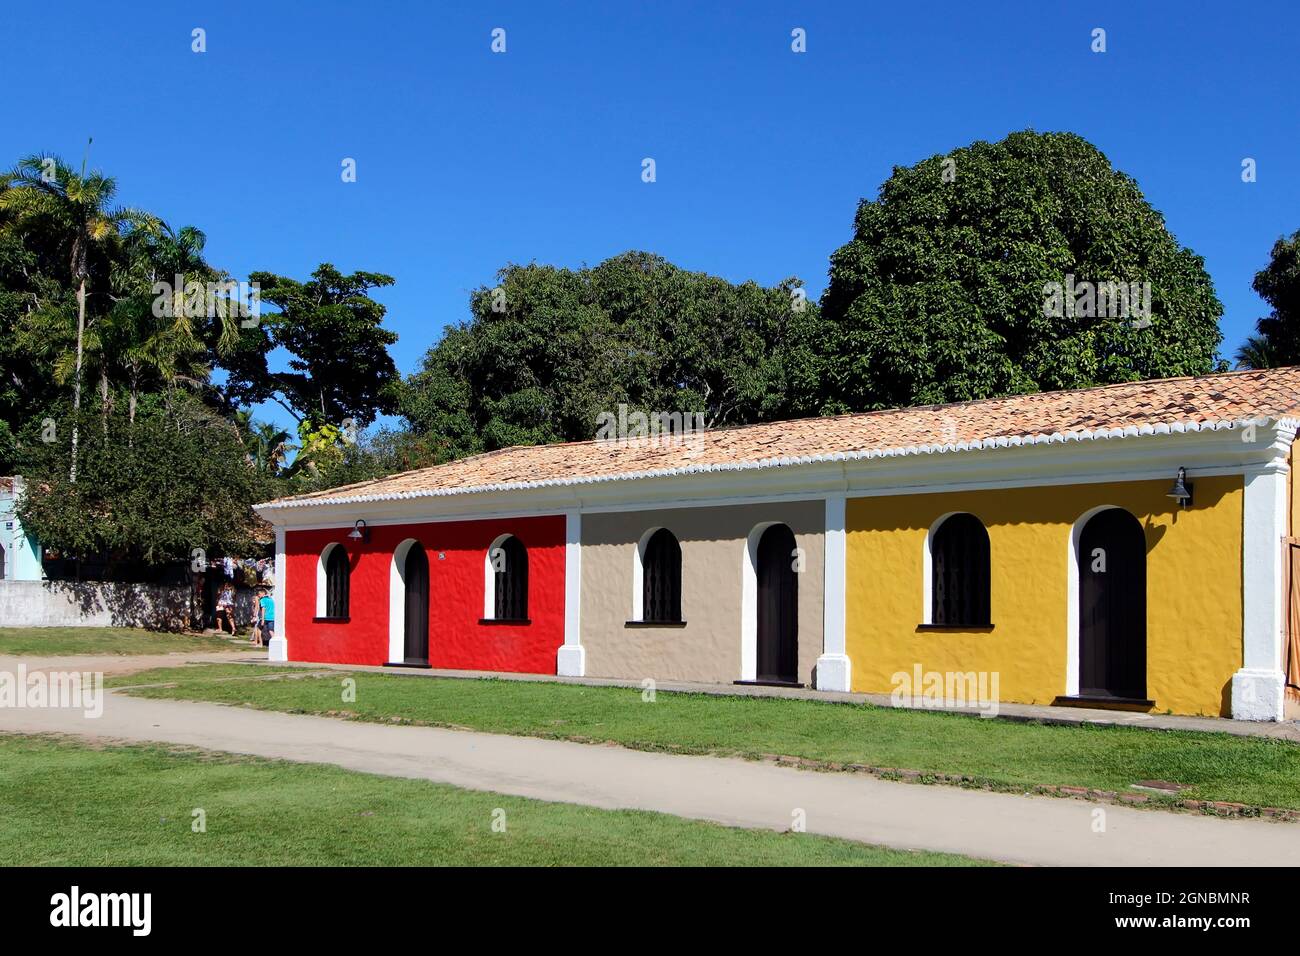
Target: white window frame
490,578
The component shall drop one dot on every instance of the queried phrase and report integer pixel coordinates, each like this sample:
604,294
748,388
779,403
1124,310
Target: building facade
1126,546
441,565
20,553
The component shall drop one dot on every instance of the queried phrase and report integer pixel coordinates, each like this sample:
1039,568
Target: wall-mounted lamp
359,531
1182,489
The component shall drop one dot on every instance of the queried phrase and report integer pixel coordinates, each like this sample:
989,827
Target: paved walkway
1036,713
1019,829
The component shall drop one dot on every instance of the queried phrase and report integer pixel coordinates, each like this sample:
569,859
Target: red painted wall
456,638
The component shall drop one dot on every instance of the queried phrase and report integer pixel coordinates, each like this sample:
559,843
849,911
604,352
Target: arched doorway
415,577
1112,559
778,607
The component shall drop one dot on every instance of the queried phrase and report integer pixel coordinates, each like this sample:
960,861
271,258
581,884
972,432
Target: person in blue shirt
266,617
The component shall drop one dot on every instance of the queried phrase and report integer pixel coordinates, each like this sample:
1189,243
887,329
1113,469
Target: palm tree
1257,352
171,345
78,210
272,447
267,444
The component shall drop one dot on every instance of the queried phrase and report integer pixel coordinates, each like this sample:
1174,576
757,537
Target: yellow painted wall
1193,589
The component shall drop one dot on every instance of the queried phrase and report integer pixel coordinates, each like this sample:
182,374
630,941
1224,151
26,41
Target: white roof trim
979,444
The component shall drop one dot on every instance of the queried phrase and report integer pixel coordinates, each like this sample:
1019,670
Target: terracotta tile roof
1174,404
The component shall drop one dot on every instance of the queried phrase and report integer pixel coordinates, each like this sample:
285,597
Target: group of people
263,626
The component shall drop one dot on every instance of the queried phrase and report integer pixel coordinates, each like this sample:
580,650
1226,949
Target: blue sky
467,160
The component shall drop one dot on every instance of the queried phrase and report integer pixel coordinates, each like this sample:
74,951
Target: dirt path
110,664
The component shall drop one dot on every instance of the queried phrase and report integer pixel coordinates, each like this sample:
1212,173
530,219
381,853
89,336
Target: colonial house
1127,546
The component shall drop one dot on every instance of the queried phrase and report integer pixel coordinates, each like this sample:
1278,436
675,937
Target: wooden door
1113,607
778,606
417,606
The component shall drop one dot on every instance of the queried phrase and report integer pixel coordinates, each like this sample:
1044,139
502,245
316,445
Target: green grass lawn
1217,766
57,641
72,804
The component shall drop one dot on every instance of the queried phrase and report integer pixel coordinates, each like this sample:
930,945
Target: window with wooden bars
661,571
510,580
338,576
959,573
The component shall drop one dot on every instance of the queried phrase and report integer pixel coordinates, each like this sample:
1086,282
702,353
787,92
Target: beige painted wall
713,544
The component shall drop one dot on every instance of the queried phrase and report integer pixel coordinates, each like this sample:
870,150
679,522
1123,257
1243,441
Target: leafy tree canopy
26,386
98,296
1277,341
147,493
339,366
548,349
940,295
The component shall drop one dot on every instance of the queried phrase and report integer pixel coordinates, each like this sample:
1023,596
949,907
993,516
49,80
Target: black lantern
1182,489
359,531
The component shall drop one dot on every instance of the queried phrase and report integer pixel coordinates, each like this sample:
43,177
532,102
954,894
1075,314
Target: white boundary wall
92,604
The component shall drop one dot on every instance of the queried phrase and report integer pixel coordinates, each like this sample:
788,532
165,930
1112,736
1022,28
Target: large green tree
168,461
1277,338
76,213
157,336
149,493
26,386
339,367
941,294
547,350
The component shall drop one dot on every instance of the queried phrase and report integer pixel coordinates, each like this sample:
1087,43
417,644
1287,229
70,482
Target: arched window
338,576
959,573
508,559
2,562
661,572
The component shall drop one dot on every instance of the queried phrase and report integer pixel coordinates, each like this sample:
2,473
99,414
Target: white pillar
278,649
1258,688
833,667
572,658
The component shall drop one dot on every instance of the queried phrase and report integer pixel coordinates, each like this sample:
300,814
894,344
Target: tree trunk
130,406
103,397
76,382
